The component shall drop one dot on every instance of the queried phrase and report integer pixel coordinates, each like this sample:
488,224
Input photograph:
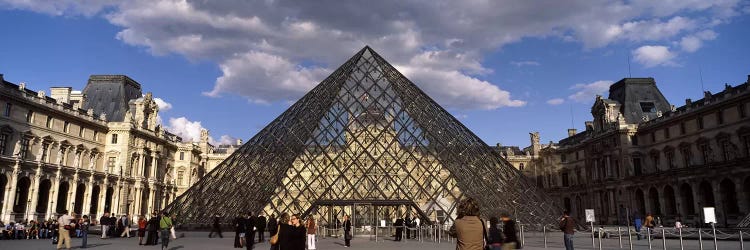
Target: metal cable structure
365,134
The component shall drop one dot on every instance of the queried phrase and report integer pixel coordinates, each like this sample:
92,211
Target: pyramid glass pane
366,142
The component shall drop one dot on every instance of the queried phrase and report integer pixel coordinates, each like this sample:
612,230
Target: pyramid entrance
366,142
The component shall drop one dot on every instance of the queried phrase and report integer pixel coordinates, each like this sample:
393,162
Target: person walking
567,225
510,240
104,221
637,224
467,228
311,230
64,223
494,235
165,224
125,221
260,226
347,231
216,226
85,222
141,229
272,225
239,231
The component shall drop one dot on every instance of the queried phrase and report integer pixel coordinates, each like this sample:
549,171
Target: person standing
347,231
85,222
467,228
637,224
260,226
65,228
510,241
165,224
311,230
239,231
296,235
104,221
216,226
282,232
567,225
494,235
272,225
407,226
250,222
125,221
399,225
141,229
152,227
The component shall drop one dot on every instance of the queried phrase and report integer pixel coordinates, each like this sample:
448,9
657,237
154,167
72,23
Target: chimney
589,126
688,102
572,132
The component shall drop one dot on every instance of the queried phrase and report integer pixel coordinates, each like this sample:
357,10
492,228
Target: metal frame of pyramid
366,133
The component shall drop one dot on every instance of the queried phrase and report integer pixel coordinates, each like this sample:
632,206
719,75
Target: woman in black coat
152,227
347,231
296,235
239,231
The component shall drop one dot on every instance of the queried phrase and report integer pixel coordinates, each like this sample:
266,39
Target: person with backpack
567,225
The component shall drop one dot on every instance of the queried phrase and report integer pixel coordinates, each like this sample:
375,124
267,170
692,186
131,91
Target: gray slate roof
110,94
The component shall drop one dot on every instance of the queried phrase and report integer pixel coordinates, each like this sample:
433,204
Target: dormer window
648,107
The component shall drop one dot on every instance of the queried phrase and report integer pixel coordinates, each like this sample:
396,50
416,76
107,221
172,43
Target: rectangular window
182,155
3,143
96,135
634,140
8,108
81,132
726,147
66,127
686,156
111,164
653,137
682,128
114,138
637,168
576,155
180,177
648,107
24,148
655,160
741,109
720,117
30,117
578,177
50,122
670,159
666,133
700,122
705,154
565,179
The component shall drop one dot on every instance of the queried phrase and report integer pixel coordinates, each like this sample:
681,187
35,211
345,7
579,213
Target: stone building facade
640,155
90,151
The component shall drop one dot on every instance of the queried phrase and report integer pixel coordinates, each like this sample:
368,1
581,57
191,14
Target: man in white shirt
64,233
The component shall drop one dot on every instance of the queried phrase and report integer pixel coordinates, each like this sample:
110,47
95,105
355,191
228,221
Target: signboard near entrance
709,213
590,215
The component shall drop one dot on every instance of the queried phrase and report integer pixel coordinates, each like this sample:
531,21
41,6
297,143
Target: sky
503,68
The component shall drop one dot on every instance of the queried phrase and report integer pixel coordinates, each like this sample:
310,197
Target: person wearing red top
141,229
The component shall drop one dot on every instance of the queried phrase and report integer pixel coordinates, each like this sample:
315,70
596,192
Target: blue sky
504,70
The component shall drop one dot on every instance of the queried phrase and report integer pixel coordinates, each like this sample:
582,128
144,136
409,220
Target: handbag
68,227
275,237
348,236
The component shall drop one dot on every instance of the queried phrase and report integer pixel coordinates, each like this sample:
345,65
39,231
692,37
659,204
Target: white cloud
525,63
694,42
586,92
163,105
191,131
652,56
303,40
556,101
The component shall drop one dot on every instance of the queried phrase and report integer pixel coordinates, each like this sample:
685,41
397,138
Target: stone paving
200,240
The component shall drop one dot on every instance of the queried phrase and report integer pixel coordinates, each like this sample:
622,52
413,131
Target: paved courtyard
200,240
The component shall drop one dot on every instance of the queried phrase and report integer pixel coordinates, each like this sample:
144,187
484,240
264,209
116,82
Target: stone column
11,197
154,165
141,165
152,190
137,197
34,193
116,196
53,194
87,196
719,203
103,195
72,194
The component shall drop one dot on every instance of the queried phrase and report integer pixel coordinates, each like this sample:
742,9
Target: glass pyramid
367,142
